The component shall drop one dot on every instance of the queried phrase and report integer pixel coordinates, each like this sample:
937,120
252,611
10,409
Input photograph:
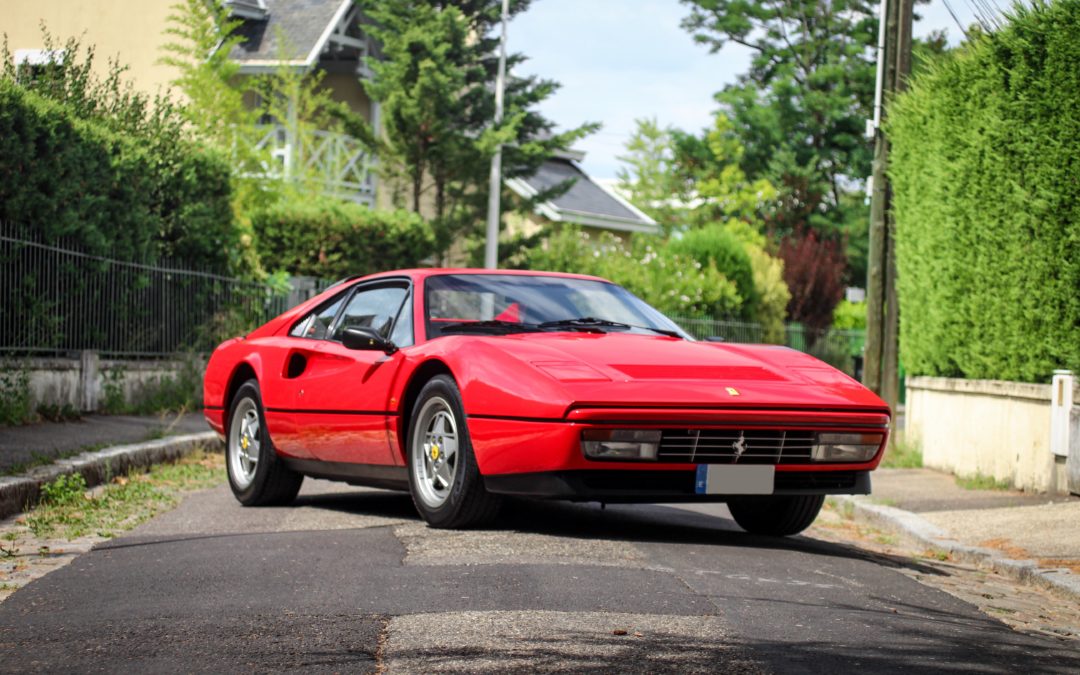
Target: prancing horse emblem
739,446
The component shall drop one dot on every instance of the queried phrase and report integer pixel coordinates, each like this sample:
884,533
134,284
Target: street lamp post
491,246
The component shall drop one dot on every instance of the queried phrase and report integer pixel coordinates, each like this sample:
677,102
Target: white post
491,246
1061,403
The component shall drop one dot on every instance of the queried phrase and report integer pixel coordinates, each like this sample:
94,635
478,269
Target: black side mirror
367,340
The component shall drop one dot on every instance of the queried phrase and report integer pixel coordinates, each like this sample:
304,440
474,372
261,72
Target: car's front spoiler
662,486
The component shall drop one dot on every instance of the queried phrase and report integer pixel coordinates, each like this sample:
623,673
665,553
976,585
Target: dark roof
300,22
585,202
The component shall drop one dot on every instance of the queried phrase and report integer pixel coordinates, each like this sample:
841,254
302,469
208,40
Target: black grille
731,446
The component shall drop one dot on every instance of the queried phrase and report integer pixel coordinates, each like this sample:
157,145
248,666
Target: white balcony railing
337,162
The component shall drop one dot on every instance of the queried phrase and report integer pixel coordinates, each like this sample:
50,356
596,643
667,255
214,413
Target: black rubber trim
297,411
514,418
371,475
661,486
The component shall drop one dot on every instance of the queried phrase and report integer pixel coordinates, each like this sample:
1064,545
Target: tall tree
800,110
435,79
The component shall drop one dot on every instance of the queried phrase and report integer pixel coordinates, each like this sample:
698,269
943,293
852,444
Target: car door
343,394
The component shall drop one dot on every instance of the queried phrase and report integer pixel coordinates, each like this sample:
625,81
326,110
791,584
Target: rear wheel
775,516
444,480
257,475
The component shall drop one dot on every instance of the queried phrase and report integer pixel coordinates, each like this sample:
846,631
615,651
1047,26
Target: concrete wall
986,427
83,382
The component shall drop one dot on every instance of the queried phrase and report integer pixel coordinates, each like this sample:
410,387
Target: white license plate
727,479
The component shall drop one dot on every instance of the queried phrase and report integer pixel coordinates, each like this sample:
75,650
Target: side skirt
369,475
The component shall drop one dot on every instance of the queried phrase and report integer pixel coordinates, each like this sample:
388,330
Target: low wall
988,428
88,382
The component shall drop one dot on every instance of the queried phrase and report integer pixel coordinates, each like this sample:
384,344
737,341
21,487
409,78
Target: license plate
725,479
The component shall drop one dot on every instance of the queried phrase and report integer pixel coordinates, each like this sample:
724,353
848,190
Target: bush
850,316
985,159
97,165
329,238
714,244
674,284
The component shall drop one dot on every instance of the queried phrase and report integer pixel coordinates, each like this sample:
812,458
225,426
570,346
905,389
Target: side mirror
366,339
715,338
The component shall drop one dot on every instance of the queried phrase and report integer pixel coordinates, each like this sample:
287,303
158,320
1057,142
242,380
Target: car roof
423,273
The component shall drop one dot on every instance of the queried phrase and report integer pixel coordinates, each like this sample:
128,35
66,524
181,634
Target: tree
800,111
650,178
434,80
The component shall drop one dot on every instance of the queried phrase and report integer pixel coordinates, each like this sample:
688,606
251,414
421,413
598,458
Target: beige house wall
131,31
986,428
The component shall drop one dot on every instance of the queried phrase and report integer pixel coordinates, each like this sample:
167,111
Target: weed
886,539
66,510
176,393
847,510
936,554
9,551
15,404
902,454
8,587
55,412
9,536
981,481
113,387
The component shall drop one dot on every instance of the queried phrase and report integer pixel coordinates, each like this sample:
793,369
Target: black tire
267,481
775,516
464,502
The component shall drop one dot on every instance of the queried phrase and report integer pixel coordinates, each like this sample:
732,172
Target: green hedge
986,173
330,238
125,196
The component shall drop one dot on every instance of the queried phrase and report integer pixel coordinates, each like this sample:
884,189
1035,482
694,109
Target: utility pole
491,246
881,367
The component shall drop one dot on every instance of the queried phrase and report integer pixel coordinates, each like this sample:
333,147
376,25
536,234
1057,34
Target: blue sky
619,60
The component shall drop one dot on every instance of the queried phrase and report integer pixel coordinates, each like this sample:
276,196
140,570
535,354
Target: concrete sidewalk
1032,537
34,444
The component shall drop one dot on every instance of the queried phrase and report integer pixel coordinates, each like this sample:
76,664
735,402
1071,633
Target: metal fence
840,348
56,299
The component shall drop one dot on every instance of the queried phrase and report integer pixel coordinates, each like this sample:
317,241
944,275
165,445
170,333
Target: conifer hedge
985,168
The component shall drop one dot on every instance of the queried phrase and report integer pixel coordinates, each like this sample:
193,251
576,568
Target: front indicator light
845,447
621,444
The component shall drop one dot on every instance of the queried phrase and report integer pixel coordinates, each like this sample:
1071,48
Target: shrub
714,244
329,238
95,163
674,284
986,153
850,315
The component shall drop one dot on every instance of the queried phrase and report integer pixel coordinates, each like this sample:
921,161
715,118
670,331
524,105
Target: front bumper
616,486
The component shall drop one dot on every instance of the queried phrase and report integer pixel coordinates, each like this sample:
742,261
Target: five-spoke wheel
444,480
257,475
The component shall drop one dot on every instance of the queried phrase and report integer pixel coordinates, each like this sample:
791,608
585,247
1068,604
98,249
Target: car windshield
504,303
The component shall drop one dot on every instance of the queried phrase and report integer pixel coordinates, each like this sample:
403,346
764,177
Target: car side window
403,327
375,308
317,324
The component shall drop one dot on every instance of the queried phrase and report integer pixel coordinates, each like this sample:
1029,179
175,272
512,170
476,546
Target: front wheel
444,480
775,516
256,475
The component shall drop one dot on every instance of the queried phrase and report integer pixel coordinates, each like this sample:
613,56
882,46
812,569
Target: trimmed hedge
329,238
125,196
986,171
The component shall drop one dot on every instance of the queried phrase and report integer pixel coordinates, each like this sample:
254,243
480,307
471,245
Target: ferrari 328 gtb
462,386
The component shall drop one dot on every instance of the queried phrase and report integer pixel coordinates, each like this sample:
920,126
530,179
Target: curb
16,492
927,534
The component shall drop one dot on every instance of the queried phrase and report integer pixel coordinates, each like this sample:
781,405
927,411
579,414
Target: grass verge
982,482
901,453
68,510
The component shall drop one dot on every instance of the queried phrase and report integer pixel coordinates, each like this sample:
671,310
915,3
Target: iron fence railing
840,348
57,299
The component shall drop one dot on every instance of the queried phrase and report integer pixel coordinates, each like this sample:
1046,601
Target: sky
621,60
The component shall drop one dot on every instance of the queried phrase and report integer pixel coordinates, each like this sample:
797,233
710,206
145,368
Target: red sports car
465,385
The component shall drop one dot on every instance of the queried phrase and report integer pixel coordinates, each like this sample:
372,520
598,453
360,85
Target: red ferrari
462,386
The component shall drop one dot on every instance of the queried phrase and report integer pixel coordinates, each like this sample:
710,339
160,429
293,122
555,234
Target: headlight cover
621,444
846,447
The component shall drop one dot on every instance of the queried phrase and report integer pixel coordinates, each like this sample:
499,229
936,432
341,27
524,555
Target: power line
963,31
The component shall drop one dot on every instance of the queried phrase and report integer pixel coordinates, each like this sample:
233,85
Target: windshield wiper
493,326
592,324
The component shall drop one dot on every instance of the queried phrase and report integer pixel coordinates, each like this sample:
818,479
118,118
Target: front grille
735,446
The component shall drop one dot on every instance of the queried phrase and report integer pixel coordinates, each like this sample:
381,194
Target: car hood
625,369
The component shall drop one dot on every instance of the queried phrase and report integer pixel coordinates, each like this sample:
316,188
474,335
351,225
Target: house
304,34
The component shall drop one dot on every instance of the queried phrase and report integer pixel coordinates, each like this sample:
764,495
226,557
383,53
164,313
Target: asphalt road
349,580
